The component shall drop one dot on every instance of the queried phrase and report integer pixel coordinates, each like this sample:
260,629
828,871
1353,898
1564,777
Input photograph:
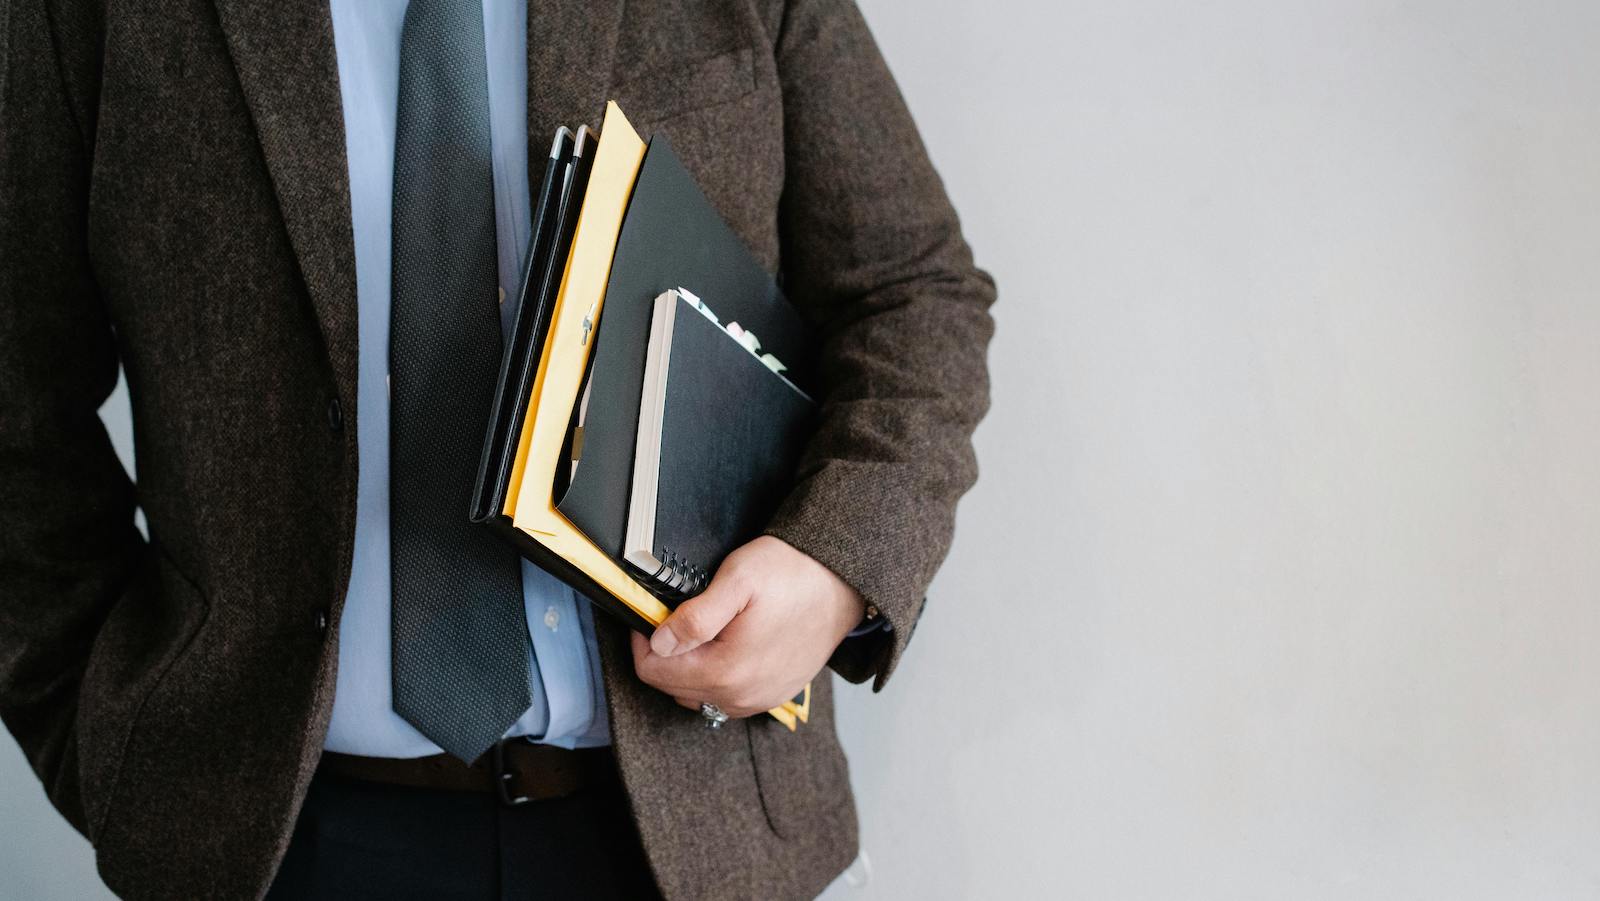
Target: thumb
700,619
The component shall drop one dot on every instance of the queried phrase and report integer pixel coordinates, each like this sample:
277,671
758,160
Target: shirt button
502,295
335,415
552,618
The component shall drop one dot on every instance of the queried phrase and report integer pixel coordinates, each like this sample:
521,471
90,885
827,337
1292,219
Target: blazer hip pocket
150,627
802,776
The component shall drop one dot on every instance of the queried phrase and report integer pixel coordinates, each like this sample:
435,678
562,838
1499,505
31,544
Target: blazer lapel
571,48
284,54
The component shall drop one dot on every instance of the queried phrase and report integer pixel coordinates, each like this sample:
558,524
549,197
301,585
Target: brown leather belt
515,770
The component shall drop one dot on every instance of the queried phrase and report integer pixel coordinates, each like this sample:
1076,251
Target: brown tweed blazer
173,196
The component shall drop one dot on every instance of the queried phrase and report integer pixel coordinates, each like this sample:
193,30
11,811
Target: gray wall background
1281,577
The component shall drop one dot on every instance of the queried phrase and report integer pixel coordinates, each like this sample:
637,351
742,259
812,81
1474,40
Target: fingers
709,673
715,648
707,670
702,617
680,676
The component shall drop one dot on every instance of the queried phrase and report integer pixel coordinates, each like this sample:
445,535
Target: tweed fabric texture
460,637
173,694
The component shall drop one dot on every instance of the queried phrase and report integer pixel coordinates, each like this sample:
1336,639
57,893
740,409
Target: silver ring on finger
713,714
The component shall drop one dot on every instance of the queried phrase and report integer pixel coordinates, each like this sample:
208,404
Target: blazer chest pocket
667,91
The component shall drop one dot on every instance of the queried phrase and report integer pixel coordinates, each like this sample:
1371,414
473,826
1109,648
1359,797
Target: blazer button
321,620
335,415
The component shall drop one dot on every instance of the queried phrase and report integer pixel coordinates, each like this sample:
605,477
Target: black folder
672,237
555,217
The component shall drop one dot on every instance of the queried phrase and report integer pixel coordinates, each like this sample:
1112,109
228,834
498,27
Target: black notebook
672,237
720,431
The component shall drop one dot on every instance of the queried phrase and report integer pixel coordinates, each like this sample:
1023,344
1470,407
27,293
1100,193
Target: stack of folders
638,434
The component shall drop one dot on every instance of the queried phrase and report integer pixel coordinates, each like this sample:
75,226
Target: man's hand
766,626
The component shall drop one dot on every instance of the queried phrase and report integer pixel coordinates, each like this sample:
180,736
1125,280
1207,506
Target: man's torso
219,227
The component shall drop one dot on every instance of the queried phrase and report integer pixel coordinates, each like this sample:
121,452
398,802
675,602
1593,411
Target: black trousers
357,840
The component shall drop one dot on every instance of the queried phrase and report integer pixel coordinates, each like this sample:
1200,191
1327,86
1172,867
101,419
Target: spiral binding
677,578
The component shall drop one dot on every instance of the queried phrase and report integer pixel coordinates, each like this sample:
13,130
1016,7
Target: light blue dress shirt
568,697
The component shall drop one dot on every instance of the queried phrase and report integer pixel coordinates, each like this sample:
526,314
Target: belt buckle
503,776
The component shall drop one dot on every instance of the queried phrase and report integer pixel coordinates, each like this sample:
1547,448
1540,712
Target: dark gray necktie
461,646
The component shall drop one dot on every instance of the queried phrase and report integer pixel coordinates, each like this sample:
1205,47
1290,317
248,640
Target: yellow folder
558,379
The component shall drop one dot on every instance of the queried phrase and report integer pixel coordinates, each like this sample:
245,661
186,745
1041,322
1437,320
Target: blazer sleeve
873,253
68,545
